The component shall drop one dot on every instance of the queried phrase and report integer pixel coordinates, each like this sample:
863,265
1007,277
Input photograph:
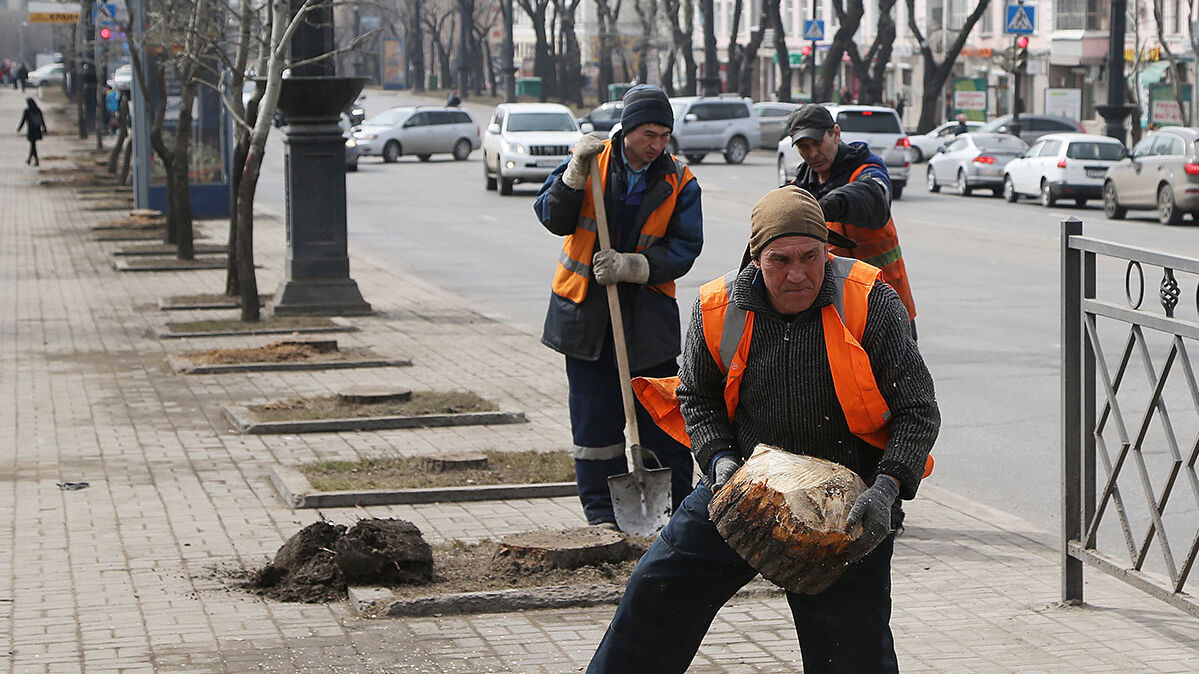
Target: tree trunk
570,88
668,73
606,75
416,47
749,55
126,160
734,49
872,68
935,74
179,208
850,21
122,133
780,50
157,141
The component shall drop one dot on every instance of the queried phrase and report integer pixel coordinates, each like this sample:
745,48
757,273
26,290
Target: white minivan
421,131
1062,166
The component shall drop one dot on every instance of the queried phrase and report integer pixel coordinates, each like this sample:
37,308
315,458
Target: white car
51,73
525,142
724,124
422,131
925,145
122,78
874,125
1062,166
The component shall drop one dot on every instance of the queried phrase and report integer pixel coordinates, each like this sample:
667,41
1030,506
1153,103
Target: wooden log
785,514
365,394
448,461
562,549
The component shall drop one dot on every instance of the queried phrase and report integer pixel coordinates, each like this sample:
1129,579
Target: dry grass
283,351
276,322
410,473
332,407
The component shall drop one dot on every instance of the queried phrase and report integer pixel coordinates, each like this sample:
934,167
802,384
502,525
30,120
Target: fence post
1072,429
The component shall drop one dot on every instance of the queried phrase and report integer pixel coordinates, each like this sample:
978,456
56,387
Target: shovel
640,499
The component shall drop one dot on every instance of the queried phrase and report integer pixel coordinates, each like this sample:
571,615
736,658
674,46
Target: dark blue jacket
651,319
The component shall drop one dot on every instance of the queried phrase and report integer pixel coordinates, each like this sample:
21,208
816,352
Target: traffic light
1021,57
105,33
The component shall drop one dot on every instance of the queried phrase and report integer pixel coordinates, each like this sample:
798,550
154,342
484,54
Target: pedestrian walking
453,100
22,75
900,104
653,205
794,300
35,127
854,190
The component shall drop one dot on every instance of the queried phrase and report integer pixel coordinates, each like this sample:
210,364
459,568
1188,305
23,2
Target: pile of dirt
334,407
281,351
319,561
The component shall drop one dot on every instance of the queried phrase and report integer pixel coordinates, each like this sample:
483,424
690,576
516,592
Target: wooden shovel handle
622,351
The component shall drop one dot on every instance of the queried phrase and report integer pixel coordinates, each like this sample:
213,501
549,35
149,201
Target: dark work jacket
34,124
651,318
865,202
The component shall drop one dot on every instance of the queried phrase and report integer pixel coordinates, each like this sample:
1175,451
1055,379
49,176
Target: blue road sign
104,15
1021,20
813,30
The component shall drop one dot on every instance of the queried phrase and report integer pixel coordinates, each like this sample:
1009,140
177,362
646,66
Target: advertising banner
970,98
1064,103
1163,108
395,63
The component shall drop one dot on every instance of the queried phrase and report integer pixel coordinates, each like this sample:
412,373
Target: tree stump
365,394
448,461
785,514
562,549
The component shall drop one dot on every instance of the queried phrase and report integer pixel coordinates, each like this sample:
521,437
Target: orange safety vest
878,247
573,274
728,331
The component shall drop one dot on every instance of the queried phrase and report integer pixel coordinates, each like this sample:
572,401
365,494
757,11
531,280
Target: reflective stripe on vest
880,248
573,275
728,331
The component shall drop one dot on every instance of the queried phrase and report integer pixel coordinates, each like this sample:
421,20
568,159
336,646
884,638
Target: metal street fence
1137,519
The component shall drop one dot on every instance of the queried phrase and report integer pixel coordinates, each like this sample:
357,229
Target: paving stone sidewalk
130,574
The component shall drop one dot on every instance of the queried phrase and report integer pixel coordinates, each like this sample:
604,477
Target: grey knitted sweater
787,396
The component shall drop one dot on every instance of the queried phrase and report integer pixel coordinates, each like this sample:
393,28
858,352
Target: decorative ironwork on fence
1097,434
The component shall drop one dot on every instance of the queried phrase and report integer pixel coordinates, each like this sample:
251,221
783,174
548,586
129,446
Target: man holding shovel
652,203
812,354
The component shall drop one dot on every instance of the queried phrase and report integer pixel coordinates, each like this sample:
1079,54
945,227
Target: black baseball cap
811,120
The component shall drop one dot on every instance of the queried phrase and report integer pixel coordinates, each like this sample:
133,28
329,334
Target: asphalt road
985,275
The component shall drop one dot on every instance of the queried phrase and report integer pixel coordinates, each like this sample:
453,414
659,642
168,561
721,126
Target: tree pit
334,407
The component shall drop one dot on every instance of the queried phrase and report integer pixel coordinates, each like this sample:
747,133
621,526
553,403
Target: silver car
713,124
972,161
1162,172
772,121
421,131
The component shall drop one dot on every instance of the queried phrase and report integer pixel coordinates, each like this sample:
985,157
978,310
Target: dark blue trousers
690,572
597,423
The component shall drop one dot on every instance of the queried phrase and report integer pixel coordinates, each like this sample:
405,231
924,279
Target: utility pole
1116,110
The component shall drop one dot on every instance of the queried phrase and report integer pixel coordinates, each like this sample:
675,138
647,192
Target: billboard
970,98
395,63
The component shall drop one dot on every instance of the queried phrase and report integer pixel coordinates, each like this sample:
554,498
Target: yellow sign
53,17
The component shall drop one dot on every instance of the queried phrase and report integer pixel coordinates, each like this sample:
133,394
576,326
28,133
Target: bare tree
734,50
570,82
871,69
1183,111
780,50
647,15
937,73
543,57
681,15
850,20
749,55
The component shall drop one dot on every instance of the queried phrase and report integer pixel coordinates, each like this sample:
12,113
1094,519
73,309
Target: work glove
723,468
575,175
872,510
610,267
833,206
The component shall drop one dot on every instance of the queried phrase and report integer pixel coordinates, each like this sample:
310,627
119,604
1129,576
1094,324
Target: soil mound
317,563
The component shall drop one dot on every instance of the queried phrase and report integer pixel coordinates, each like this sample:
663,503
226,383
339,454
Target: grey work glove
872,510
575,175
722,470
610,267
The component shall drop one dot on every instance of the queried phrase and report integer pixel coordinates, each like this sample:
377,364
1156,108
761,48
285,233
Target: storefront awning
1153,71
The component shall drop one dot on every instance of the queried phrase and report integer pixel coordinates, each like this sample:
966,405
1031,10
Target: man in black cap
656,226
854,191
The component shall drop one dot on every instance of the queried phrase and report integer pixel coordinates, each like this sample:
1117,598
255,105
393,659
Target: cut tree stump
365,394
449,461
563,549
785,514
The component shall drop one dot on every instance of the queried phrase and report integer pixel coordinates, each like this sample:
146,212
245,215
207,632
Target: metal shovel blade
641,500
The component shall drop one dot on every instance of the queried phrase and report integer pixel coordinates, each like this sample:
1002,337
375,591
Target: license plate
1096,173
548,163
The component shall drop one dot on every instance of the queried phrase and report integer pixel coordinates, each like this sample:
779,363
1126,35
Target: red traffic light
805,50
105,33
1022,41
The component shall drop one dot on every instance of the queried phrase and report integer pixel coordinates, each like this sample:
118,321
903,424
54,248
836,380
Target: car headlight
365,136
350,142
513,146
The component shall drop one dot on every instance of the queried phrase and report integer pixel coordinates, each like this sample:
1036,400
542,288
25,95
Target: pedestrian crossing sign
813,30
1020,19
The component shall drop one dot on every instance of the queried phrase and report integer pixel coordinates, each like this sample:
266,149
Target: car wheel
1167,209
505,183
896,191
1080,202
736,150
1047,198
963,187
696,158
462,149
930,179
391,151
1009,190
917,155
783,180
1111,203
488,179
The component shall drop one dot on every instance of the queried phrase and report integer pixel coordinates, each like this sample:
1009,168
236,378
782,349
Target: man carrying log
820,361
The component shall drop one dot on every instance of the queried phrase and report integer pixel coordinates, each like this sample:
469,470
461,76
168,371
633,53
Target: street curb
182,365
162,332
298,492
168,264
378,602
243,422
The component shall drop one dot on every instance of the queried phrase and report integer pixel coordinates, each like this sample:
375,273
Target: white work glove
872,510
575,175
722,470
610,267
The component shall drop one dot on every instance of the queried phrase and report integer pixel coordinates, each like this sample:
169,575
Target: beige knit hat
789,211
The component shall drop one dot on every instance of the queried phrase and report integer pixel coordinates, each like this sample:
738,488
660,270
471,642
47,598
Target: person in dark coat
35,127
22,75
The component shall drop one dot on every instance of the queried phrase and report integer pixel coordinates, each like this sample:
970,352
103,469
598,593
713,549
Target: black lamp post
1116,109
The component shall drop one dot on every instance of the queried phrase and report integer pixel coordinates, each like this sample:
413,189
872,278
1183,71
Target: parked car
422,131
347,126
772,122
1062,166
713,124
525,142
1033,127
51,73
1162,172
603,118
122,78
357,110
974,160
925,145
876,126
